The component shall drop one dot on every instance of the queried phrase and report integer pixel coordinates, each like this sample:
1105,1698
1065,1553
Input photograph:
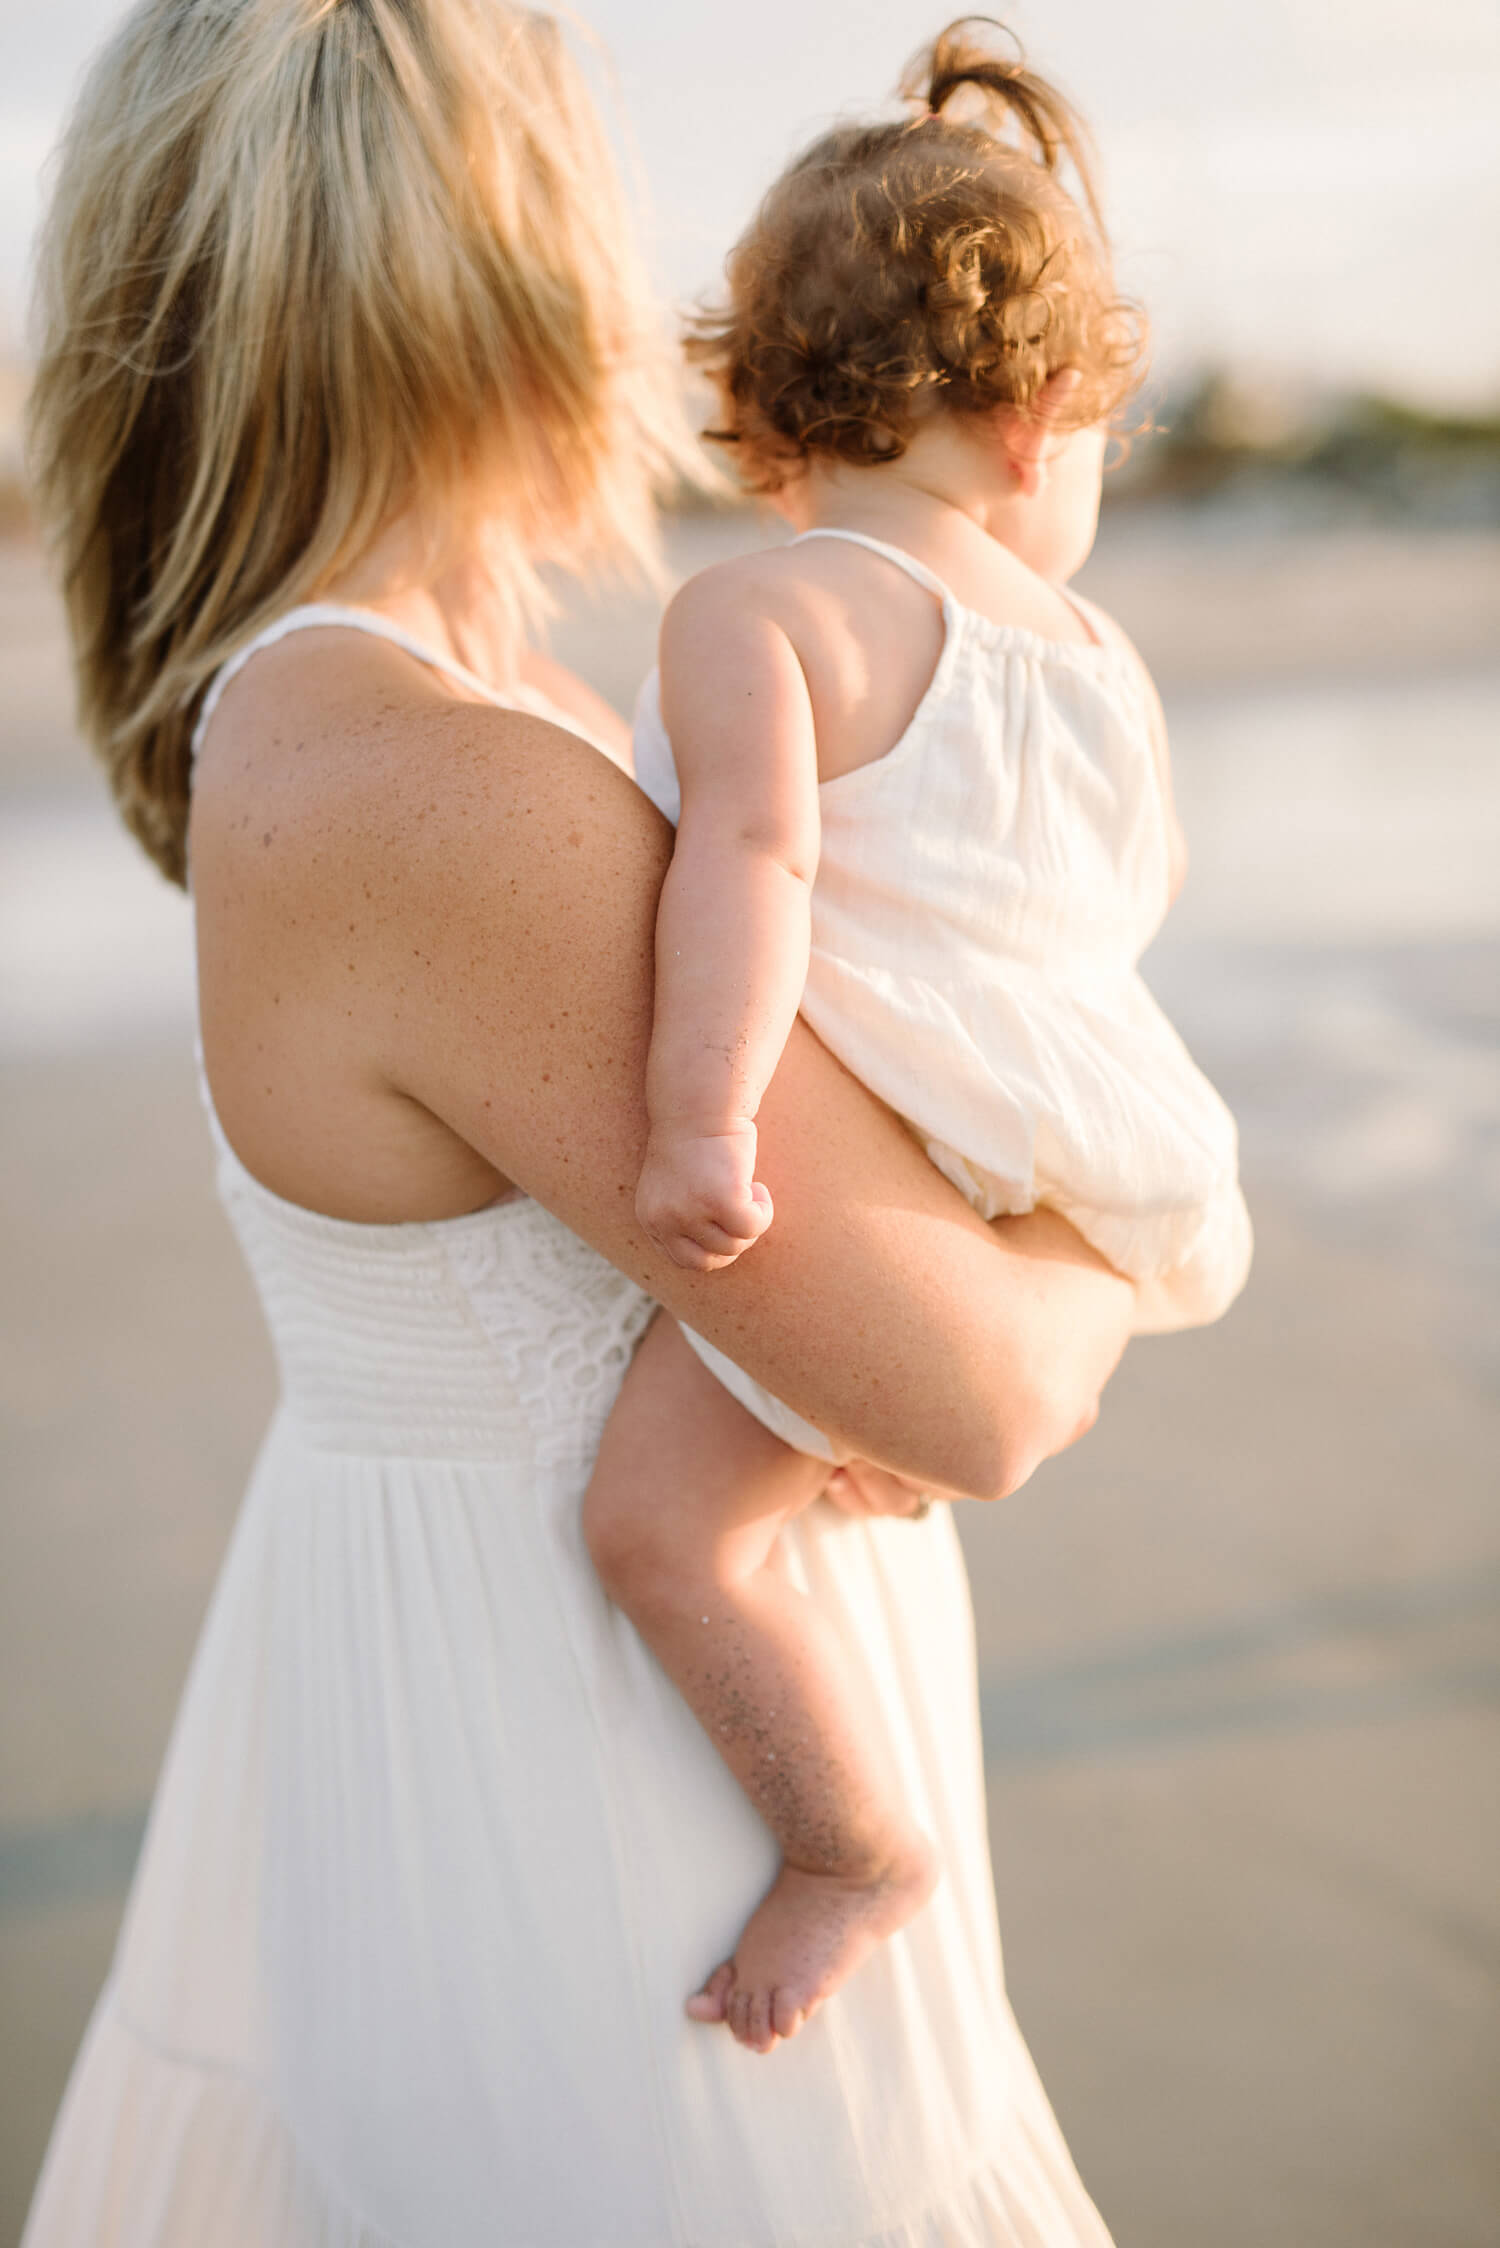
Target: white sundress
983,897
437,1851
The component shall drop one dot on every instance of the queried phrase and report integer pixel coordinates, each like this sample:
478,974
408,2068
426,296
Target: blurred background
1241,1667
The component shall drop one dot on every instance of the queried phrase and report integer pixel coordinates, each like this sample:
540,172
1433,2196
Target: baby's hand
698,1195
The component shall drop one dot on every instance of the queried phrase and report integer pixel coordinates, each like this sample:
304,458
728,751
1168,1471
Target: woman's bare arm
526,872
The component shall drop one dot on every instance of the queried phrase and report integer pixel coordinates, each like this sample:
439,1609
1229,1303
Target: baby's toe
707,2005
761,2035
787,2012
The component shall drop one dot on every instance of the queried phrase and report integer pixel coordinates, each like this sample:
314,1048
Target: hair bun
966,53
958,58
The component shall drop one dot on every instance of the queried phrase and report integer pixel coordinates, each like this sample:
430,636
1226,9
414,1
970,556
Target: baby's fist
698,1196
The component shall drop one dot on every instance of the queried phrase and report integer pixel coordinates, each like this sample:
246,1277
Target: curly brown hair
934,263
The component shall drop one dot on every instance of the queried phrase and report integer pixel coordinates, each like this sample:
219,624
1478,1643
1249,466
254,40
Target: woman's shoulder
381,873
350,812
376,864
332,745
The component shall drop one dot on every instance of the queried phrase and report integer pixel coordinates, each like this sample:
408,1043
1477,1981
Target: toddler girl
924,798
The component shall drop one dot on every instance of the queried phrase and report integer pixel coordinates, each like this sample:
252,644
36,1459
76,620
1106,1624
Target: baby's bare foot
805,1940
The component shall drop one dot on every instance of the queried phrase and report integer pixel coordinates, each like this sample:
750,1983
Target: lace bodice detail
562,1322
499,1335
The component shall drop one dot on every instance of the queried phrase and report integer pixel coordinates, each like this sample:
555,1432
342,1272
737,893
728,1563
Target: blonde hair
936,263
309,263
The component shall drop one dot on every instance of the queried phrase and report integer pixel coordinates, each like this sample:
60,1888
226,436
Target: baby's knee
639,1558
610,1532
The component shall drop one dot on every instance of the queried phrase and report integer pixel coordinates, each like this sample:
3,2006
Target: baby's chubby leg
688,1495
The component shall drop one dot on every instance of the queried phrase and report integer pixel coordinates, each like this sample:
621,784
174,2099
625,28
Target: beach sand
1241,1680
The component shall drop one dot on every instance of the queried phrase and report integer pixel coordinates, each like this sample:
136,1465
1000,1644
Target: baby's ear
1029,437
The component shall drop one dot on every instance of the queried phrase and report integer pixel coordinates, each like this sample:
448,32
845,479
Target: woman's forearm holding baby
879,1306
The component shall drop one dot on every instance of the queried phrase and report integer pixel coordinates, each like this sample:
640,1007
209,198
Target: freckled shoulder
393,886
348,759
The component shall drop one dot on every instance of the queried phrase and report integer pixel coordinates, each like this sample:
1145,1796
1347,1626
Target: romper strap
924,577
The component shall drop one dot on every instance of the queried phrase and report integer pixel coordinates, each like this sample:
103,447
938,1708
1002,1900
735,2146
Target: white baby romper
983,897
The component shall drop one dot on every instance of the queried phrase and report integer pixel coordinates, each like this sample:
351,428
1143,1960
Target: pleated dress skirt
437,1852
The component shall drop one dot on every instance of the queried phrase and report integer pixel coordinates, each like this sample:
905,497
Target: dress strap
924,577
315,615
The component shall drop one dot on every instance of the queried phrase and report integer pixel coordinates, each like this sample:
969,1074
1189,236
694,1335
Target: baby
924,798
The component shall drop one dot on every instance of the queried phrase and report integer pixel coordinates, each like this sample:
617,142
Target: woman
342,336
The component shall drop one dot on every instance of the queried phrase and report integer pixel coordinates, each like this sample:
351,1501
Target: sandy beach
1239,1649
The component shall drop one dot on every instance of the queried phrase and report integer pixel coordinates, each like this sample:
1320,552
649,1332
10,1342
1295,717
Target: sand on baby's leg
688,1494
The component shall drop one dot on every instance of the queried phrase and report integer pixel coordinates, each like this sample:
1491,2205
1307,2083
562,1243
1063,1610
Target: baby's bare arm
733,923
